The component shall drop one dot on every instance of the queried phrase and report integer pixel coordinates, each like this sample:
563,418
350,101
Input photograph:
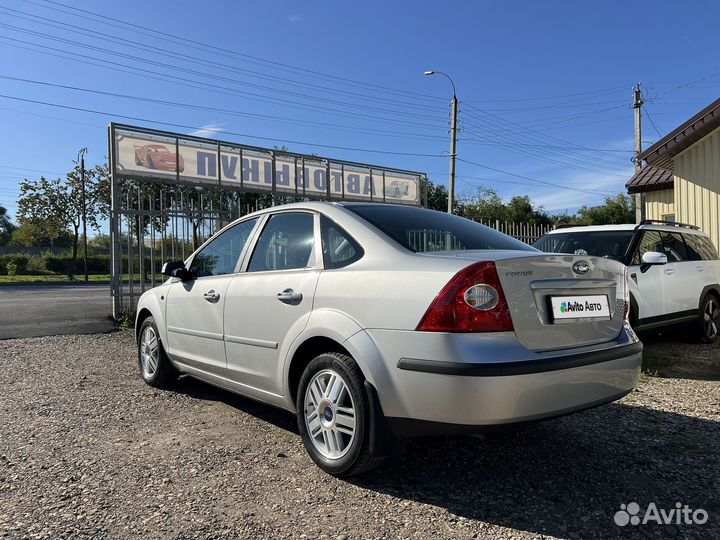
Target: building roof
650,178
662,152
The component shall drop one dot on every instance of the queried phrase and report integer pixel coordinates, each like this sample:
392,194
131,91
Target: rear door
269,303
194,313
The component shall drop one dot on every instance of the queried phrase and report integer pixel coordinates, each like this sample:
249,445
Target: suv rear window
700,248
609,244
421,230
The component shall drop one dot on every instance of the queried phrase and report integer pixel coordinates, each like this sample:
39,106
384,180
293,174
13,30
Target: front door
269,304
651,283
195,308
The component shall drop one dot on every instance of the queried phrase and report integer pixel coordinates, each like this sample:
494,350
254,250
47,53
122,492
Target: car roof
630,227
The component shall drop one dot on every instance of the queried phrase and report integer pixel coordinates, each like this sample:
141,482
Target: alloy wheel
149,352
330,414
711,315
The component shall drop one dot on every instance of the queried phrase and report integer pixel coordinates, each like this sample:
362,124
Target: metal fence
526,232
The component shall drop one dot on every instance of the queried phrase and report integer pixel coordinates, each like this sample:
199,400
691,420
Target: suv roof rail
669,223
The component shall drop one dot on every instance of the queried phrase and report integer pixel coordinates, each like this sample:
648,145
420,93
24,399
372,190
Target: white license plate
580,307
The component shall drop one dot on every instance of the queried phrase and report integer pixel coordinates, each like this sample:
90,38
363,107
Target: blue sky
545,87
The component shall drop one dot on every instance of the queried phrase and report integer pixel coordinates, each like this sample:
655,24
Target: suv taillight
472,301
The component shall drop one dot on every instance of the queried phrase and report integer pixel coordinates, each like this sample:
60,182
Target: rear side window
286,243
421,230
674,247
700,248
339,248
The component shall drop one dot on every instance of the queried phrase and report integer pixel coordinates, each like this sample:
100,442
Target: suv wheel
709,318
333,415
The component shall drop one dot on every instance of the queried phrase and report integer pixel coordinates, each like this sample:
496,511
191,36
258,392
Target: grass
45,279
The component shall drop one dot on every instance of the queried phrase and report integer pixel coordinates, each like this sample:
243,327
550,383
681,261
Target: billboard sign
157,155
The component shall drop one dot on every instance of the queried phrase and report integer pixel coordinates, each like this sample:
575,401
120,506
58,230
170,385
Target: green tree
437,197
6,226
485,206
30,234
57,205
618,209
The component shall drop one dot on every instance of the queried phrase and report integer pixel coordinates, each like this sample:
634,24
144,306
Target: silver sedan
373,321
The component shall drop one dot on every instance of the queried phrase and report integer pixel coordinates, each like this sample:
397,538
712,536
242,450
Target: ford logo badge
581,267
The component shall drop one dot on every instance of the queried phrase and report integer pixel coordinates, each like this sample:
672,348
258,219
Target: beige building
680,179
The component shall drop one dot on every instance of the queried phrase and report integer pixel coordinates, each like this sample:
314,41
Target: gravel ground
88,450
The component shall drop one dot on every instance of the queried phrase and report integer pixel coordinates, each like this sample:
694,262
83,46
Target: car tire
137,160
150,164
332,383
155,367
709,319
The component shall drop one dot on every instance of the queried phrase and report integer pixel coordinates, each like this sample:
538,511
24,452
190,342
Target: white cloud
295,18
208,130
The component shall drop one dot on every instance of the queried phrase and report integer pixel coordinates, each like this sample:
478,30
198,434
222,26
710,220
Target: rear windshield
422,230
609,244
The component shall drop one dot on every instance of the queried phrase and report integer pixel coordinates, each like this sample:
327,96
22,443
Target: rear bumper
500,382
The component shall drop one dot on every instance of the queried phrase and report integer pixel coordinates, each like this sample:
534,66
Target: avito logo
563,307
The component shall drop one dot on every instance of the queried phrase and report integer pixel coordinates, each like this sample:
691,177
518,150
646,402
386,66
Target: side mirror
652,258
176,269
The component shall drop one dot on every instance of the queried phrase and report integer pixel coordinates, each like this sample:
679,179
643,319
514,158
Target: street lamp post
453,139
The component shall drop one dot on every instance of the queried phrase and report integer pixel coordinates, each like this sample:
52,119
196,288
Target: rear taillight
473,301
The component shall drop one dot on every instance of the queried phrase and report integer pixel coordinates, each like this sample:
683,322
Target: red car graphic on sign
156,156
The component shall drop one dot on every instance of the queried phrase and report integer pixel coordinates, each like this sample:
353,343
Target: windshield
609,244
422,230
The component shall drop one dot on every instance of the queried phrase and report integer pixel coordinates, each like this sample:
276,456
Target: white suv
674,269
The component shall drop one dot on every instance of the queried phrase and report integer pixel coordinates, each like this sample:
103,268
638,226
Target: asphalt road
47,310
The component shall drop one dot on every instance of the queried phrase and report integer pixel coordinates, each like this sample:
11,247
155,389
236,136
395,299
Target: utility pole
81,158
453,152
637,106
453,139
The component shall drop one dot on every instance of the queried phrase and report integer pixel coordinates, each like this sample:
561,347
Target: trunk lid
531,281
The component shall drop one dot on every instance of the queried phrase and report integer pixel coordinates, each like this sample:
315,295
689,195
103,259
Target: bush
62,264
11,269
20,263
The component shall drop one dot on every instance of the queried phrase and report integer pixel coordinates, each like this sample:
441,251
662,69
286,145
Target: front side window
421,230
608,244
286,243
700,248
650,241
221,255
669,243
339,248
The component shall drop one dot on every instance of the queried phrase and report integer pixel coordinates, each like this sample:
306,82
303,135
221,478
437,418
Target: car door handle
211,296
289,296
669,271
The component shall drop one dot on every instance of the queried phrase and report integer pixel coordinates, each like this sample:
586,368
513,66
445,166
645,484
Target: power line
204,74
175,54
243,114
52,51
651,122
213,130
544,182
185,41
